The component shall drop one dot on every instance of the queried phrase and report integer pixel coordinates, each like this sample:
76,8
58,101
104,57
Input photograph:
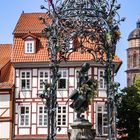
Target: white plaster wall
4,130
71,117
17,72
95,118
89,117
16,107
34,82
90,71
4,101
42,130
6,114
34,92
102,93
34,118
95,71
24,103
16,118
15,129
25,94
33,129
34,72
71,71
24,131
70,109
71,81
33,107
16,92
17,82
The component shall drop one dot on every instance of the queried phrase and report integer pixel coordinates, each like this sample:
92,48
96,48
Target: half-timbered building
31,67
6,92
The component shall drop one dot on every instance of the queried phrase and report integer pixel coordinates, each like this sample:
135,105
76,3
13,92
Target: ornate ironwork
94,26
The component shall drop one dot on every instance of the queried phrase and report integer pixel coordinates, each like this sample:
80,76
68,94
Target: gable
29,22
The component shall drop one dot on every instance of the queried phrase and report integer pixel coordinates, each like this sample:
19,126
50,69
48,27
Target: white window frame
101,78
64,76
24,115
43,114
61,115
43,79
26,78
103,113
29,46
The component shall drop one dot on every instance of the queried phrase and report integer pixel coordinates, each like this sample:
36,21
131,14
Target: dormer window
29,44
29,47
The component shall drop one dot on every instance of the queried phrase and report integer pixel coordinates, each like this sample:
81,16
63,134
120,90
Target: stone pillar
81,130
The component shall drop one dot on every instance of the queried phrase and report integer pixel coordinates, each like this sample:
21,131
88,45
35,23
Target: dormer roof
29,36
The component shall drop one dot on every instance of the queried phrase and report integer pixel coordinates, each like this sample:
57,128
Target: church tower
133,55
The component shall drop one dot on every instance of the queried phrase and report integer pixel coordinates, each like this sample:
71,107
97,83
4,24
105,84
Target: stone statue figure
86,90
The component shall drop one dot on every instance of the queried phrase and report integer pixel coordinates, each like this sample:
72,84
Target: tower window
134,60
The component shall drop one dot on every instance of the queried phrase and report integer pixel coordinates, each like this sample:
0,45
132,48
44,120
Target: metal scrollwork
93,27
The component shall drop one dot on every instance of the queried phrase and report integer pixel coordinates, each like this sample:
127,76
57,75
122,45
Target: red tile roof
5,66
5,52
29,22
18,54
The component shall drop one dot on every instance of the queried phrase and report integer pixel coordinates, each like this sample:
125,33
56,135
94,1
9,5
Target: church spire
138,23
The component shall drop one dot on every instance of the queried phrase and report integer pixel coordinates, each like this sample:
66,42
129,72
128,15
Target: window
43,77
137,42
62,83
29,46
24,116
62,115
25,78
134,60
102,127
102,79
128,60
42,116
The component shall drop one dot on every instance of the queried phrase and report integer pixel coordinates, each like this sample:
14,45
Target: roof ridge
29,21
6,44
34,13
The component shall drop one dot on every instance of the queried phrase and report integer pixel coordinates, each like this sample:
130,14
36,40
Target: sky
10,11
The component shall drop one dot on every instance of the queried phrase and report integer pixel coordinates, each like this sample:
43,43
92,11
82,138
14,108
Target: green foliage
137,83
129,112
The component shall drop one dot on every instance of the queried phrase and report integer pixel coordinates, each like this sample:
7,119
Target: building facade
133,55
6,93
30,60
